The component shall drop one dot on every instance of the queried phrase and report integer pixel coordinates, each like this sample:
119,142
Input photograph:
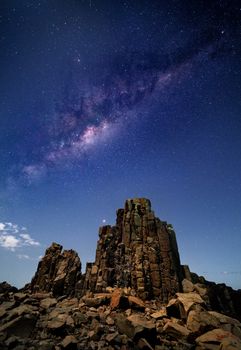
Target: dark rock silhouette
136,295
5,287
139,252
57,272
219,297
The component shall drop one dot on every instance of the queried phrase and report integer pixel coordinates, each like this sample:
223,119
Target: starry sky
101,101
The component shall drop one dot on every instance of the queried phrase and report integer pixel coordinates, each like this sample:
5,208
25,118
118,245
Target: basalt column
139,252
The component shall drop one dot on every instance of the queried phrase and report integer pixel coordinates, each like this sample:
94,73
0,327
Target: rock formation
114,320
136,295
57,272
219,297
139,252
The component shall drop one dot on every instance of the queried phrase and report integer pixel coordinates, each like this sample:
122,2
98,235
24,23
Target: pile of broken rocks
115,319
135,295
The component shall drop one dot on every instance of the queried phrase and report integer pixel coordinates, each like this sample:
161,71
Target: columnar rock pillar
57,272
139,252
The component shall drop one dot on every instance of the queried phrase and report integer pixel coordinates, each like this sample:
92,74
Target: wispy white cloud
28,240
13,236
9,241
23,256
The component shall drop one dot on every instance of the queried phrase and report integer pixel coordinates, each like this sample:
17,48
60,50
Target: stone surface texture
139,252
57,272
136,295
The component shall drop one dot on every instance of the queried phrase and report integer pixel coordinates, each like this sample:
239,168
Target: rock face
219,297
113,320
57,272
6,288
139,252
136,295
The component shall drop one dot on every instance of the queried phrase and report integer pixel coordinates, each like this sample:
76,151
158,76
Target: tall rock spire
139,252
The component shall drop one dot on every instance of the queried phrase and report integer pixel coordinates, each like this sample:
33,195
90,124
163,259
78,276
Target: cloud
28,240
23,256
13,237
9,242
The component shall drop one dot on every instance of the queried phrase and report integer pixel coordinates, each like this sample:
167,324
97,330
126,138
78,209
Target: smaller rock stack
57,272
139,252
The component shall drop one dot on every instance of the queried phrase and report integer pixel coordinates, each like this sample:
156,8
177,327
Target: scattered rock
159,314
176,330
21,326
201,321
225,319
187,286
136,295
221,337
136,303
124,326
20,296
69,342
111,337
7,288
118,300
144,345
47,303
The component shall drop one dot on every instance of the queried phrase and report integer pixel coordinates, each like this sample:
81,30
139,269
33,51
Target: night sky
104,100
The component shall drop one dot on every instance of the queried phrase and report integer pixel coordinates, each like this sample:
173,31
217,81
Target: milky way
91,117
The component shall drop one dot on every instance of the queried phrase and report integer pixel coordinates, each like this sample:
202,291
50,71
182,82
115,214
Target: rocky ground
116,319
135,295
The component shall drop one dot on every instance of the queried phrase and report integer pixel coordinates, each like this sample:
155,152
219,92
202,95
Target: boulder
124,326
219,336
159,314
183,303
136,303
47,303
187,286
7,288
144,345
201,321
143,328
225,319
116,297
69,342
21,326
176,330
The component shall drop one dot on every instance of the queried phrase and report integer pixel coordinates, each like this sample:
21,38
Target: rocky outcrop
139,252
58,272
136,295
219,297
113,320
6,288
